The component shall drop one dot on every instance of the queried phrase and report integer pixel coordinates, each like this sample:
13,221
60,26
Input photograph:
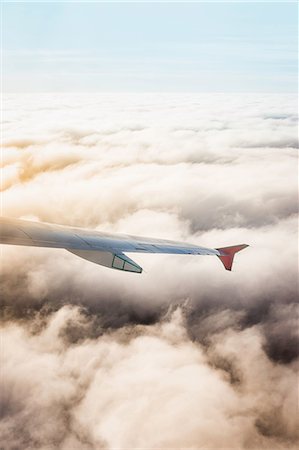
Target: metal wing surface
99,247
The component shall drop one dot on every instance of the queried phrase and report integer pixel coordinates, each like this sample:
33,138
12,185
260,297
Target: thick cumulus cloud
185,355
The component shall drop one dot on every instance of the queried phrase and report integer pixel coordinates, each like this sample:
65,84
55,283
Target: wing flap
118,261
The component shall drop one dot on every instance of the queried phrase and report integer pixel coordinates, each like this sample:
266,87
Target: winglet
227,254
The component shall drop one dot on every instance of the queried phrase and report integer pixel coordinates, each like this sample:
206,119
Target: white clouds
136,148
156,390
213,170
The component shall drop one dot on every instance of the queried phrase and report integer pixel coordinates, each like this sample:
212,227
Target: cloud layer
94,358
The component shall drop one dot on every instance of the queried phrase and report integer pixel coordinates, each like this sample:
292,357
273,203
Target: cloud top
95,358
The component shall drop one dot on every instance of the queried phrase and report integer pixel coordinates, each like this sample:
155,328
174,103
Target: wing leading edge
105,249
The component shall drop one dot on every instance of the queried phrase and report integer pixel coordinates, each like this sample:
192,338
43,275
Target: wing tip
227,254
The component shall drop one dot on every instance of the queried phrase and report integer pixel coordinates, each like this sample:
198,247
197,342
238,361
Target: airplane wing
101,248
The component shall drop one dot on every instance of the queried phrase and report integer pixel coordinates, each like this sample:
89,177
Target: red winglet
227,254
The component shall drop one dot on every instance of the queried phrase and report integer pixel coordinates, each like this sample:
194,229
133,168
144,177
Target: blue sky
177,47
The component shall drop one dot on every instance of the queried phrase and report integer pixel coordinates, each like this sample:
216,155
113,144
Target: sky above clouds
201,47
